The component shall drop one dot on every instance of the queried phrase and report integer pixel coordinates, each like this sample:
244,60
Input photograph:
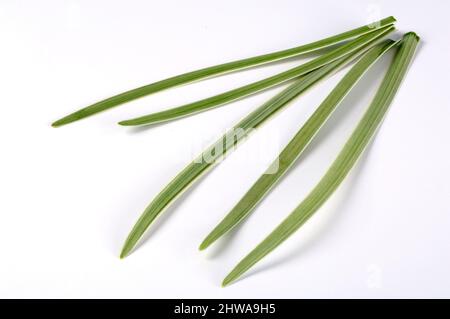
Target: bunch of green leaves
362,45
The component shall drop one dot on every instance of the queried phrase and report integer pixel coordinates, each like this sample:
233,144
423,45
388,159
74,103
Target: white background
69,196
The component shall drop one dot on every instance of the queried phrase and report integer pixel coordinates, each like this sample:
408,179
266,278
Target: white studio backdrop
69,196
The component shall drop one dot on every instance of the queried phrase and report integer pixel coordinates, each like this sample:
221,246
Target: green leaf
297,145
343,163
215,70
195,169
220,99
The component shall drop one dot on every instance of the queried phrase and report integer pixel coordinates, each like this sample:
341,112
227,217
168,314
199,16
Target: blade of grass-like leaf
254,87
297,145
217,69
194,170
343,163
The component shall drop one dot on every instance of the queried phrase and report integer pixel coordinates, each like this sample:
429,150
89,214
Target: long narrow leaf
254,87
194,170
343,163
297,145
217,69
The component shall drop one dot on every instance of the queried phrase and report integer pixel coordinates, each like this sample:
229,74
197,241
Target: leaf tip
125,251
226,282
203,246
57,123
207,242
230,278
126,123
66,120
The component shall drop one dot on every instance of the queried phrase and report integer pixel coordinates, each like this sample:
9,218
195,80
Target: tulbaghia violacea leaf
342,165
217,69
297,145
195,169
220,99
